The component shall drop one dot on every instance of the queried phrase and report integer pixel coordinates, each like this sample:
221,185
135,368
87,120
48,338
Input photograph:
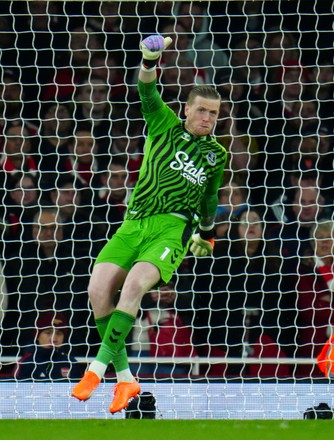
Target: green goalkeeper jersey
180,173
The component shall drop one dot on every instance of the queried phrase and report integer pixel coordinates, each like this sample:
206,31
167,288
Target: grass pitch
166,429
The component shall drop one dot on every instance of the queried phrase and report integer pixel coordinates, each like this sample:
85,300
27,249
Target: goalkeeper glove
202,243
152,48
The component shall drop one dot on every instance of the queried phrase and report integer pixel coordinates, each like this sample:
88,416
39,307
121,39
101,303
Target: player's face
201,115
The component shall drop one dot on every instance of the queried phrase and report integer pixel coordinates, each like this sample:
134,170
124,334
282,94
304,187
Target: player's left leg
141,278
160,254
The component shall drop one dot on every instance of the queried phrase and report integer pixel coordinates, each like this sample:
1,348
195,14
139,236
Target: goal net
238,329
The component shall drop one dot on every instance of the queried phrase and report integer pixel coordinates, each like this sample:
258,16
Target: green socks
115,328
102,325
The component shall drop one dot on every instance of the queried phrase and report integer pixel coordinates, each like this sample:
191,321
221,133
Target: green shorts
160,239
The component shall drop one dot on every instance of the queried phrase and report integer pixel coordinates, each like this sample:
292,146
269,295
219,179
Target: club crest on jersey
211,158
188,169
185,136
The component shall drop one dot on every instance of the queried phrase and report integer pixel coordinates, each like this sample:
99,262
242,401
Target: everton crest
211,158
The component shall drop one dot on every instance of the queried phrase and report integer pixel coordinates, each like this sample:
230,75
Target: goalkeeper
176,193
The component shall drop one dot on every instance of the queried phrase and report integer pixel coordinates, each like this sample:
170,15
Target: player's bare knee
94,292
135,288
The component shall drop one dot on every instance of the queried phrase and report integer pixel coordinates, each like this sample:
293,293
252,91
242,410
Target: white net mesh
72,144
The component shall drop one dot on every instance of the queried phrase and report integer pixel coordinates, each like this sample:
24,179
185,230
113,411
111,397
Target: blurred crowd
71,143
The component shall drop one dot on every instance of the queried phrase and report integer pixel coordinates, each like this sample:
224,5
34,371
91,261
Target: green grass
164,429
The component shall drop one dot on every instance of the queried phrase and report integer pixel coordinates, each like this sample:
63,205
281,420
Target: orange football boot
124,391
87,385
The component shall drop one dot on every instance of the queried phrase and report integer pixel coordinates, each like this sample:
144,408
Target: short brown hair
207,92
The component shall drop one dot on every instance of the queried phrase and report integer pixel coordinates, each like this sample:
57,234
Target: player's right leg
105,281
86,387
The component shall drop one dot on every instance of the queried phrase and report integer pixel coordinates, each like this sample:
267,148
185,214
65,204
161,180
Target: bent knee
106,280
95,291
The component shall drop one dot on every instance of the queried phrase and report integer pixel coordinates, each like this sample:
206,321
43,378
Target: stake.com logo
189,171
